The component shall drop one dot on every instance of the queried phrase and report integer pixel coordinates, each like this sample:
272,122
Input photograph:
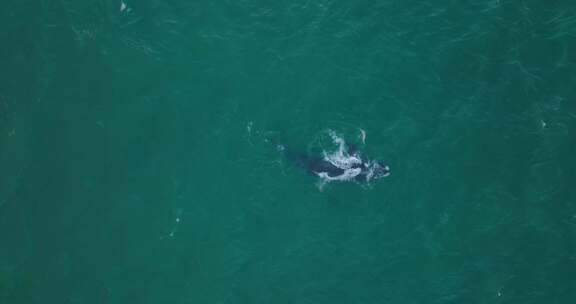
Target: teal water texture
134,166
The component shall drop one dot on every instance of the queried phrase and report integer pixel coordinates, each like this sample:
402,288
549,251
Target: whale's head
376,170
381,170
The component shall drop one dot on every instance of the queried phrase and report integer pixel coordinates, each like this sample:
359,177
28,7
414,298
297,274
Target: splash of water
350,162
341,158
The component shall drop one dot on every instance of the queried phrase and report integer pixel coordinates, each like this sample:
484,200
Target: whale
346,164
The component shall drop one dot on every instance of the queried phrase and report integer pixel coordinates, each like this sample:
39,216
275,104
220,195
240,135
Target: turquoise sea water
134,166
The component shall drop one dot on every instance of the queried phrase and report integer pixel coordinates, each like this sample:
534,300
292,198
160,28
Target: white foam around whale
343,159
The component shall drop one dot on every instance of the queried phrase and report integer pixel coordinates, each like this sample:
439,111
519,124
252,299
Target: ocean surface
139,156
